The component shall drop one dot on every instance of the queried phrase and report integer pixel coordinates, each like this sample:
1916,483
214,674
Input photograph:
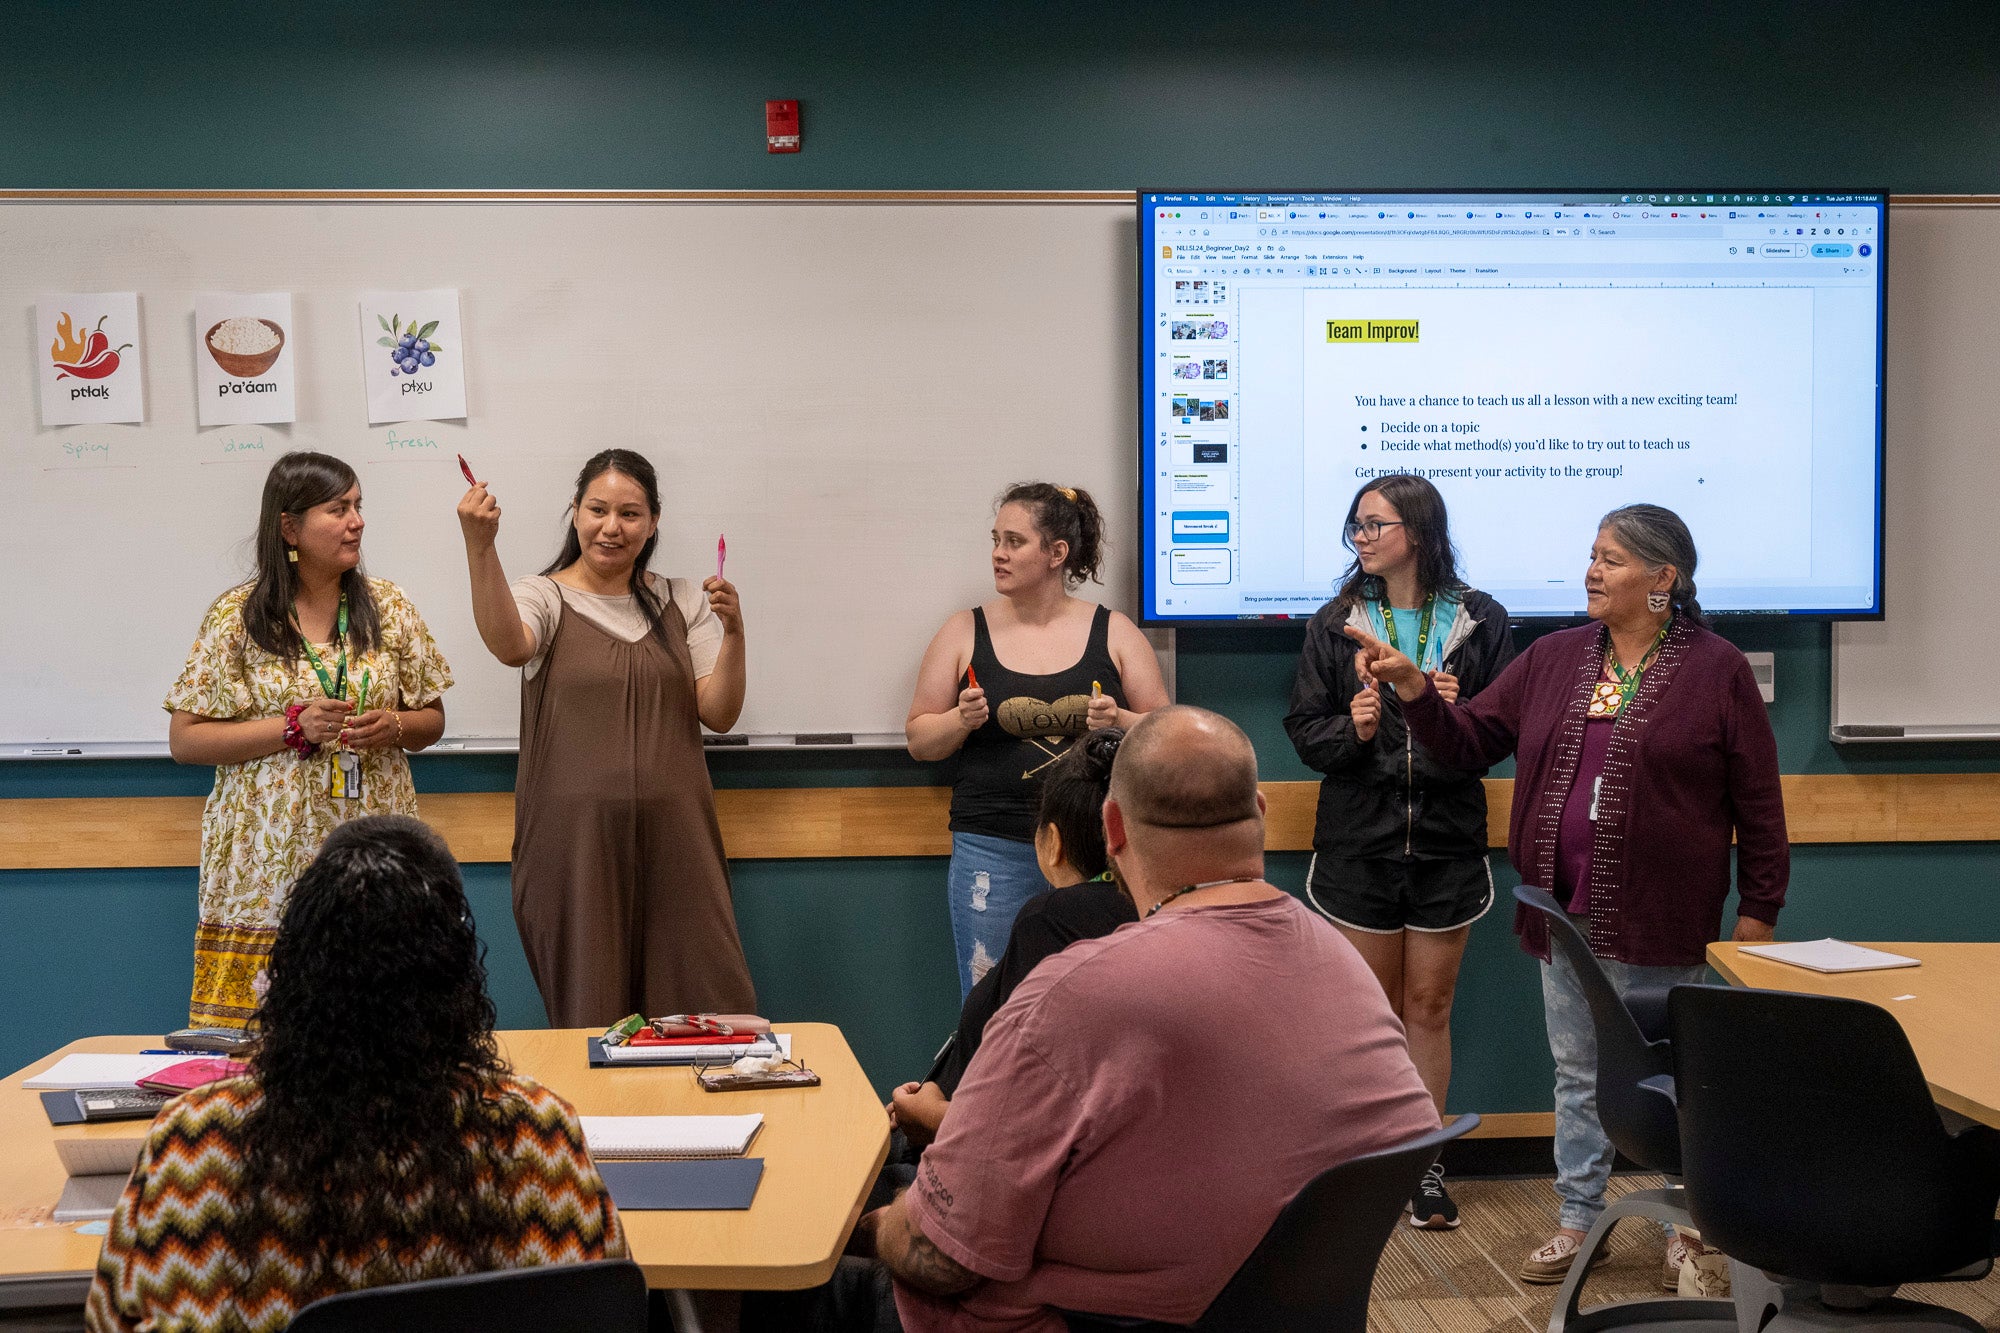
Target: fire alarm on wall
781,126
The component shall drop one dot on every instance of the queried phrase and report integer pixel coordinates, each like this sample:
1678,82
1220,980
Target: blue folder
683,1184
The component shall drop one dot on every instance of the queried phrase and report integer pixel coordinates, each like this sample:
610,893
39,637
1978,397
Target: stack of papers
779,1044
615,1138
1829,955
96,1072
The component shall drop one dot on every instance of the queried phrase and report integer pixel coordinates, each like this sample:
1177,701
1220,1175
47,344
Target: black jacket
1386,797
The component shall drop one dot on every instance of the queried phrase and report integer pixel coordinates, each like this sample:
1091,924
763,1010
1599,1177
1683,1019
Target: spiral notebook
634,1138
1830,956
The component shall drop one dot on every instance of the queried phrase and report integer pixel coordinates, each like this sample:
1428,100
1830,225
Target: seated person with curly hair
378,1137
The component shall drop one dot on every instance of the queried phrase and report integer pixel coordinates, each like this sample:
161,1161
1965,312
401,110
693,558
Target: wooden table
1946,1005
821,1148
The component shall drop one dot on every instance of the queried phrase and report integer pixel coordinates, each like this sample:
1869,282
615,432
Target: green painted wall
507,94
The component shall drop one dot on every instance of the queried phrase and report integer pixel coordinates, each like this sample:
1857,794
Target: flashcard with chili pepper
88,349
243,364
412,356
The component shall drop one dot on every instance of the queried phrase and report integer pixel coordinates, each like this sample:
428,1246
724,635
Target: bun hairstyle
1658,536
1421,509
1073,799
297,482
626,464
1064,514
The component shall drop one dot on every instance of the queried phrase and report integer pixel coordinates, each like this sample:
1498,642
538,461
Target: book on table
1830,955
639,1138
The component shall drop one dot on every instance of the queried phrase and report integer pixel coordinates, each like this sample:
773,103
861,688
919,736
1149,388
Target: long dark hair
376,1056
1073,799
1063,514
1659,537
296,482
627,464
1421,508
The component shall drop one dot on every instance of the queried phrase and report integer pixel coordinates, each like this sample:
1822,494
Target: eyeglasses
1370,528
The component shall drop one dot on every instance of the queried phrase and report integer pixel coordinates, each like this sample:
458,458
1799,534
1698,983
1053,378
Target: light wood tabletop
822,1148
1946,1005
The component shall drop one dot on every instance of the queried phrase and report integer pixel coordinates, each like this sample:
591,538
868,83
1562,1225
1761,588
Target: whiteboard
1914,674
841,388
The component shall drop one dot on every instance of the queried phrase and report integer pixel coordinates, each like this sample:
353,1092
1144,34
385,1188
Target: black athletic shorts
1384,896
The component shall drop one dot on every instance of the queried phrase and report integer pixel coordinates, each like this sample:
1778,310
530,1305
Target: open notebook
614,1138
1829,956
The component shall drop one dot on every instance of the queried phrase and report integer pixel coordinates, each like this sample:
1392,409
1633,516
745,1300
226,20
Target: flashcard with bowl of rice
243,364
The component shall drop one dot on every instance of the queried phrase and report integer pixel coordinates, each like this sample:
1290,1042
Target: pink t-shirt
1143,1107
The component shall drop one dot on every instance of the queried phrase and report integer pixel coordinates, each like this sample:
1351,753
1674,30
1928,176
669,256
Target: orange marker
971,677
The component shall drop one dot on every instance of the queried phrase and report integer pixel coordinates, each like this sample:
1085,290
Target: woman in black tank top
1006,688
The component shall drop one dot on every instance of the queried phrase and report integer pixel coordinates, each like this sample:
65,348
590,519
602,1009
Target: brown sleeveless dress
621,891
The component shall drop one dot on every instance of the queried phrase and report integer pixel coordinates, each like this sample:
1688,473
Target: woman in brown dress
621,892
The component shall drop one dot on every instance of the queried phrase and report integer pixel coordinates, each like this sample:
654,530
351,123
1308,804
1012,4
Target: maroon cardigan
1692,760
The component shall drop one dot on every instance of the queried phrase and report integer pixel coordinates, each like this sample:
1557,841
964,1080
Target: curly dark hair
376,1057
1073,799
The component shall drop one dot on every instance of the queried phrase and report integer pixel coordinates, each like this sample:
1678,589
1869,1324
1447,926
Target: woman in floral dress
304,688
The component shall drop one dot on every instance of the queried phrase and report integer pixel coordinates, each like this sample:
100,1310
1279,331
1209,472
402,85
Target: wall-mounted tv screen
1542,357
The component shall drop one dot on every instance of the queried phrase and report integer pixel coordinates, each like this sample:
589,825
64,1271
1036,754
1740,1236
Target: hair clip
1069,493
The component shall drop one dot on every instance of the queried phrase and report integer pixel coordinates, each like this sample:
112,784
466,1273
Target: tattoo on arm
913,1258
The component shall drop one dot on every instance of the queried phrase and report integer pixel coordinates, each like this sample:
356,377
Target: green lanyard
1423,625
336,684
1628,681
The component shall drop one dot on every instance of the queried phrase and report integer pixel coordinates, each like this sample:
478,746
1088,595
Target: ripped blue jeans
1583,1153
988,881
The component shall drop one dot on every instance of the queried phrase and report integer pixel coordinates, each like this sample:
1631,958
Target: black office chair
1312,1271
1635,1106
608,1296
1817,1161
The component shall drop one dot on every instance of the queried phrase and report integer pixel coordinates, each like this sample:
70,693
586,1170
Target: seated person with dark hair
1084,905
1114,1146
378,1137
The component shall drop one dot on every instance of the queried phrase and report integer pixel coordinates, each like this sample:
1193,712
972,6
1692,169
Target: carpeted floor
1465,1281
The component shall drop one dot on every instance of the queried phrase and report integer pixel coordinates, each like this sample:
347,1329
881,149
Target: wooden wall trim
93,833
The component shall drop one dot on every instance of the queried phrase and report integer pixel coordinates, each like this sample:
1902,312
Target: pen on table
721,552
466,468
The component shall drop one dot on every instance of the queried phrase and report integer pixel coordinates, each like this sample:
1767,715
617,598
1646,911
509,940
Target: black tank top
1031,722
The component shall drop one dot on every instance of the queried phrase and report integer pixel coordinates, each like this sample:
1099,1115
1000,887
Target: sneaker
1551,1263
1431,1209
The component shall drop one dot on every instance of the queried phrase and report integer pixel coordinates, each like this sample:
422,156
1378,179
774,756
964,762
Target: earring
292,554
1655,601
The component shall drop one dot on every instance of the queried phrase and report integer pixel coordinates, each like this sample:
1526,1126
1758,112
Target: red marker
971,676
721,553
466,468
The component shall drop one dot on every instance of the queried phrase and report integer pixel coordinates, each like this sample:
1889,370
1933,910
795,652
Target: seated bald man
1113,1147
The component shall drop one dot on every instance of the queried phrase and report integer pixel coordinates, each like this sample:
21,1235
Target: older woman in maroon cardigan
1641,746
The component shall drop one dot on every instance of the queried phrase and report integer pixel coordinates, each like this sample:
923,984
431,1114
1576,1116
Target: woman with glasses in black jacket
1399,845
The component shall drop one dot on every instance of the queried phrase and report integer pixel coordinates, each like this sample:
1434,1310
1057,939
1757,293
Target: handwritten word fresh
400,444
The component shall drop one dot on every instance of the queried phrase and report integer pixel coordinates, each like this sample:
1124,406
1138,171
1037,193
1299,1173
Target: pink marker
721,553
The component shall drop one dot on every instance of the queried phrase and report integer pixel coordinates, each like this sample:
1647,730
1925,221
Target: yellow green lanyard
1628,681
336,684
1423,625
